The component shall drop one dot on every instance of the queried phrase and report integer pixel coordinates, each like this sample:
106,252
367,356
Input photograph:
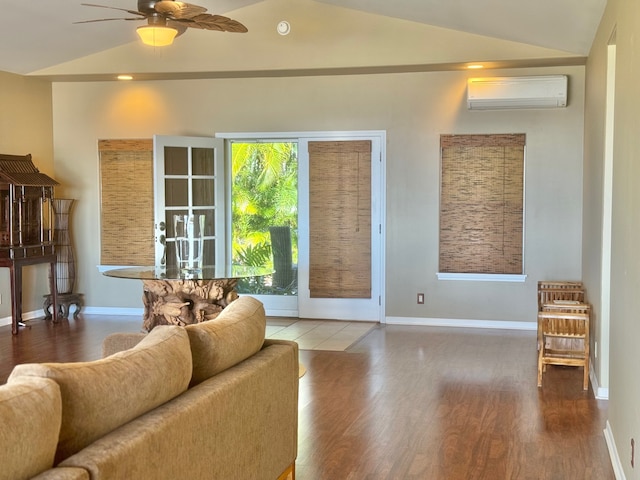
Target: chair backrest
281,245
549,296
282,256
549,291
564,324
569,307
558,285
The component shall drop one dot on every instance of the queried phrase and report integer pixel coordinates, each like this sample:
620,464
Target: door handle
163,242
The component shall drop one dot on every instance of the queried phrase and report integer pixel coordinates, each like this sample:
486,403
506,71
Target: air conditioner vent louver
494,93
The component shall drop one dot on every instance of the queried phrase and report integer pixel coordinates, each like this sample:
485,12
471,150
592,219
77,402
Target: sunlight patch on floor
318,334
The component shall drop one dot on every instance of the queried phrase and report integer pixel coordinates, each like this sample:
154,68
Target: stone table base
183,302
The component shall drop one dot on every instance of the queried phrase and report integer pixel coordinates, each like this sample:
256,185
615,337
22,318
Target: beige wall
26,127
623,16
414,109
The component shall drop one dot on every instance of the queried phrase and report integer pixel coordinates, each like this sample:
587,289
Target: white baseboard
271,312
601,393
114,311
613,453
462,323
25,316
281,312
124,312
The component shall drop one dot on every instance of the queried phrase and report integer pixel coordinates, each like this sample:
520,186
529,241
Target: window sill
481,277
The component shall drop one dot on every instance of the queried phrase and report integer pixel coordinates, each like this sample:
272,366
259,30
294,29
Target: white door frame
378,227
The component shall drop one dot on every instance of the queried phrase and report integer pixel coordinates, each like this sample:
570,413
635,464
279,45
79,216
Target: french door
189,179
340,227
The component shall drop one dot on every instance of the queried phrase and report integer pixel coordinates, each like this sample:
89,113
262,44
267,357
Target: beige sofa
206,401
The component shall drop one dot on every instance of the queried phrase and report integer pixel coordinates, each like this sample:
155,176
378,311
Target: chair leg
585,383
540,366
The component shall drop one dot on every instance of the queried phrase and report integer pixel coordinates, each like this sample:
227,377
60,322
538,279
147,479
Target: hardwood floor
407,403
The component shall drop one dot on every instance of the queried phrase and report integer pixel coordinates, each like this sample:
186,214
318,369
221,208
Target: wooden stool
64,302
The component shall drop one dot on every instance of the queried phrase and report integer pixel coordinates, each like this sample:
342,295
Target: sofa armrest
275,341
63,473
118,342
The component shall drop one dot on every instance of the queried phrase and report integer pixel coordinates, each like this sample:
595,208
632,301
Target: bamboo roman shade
126,188
340,219
481,203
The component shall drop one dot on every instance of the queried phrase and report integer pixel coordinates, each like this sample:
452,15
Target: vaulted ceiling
40,35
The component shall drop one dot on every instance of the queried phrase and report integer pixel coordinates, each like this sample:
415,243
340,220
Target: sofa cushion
99,396
235,334
30,415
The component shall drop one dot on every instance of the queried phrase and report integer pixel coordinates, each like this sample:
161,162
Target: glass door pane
189,179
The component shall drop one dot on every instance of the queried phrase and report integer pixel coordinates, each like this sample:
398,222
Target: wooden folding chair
566,306
548,291
554,325
554,291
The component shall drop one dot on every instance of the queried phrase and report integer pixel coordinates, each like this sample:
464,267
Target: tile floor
329,335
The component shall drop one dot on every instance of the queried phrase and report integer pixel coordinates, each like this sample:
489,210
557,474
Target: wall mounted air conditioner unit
492,93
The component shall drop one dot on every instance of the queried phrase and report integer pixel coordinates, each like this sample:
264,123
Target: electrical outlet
420,298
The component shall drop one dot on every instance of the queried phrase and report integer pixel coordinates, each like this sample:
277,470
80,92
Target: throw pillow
235,334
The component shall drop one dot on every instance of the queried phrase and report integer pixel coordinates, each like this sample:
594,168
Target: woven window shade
481,203
126,189
340,219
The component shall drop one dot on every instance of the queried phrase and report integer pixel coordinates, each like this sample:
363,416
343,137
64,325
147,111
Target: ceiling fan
167,19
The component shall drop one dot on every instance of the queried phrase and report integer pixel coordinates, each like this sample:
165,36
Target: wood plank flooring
402,403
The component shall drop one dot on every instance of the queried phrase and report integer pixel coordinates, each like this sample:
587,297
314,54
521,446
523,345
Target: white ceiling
36,34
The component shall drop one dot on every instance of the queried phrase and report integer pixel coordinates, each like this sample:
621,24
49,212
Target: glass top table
225,272
174,297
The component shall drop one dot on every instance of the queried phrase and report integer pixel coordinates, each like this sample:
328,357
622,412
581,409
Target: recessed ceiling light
283,28
125,77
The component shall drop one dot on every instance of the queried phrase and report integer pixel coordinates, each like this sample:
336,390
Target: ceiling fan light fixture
156,35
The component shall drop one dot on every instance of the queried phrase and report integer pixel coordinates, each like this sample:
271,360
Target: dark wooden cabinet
26,225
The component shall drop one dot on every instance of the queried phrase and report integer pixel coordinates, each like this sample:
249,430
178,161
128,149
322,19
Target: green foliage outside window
264,194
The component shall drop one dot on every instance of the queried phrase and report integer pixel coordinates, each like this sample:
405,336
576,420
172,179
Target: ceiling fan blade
107,19
205,21
132,12
178,10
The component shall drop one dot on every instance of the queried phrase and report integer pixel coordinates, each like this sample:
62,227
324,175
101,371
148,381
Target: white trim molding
601,393
618,471
111,311
114,311
25,316
462,323
481,277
